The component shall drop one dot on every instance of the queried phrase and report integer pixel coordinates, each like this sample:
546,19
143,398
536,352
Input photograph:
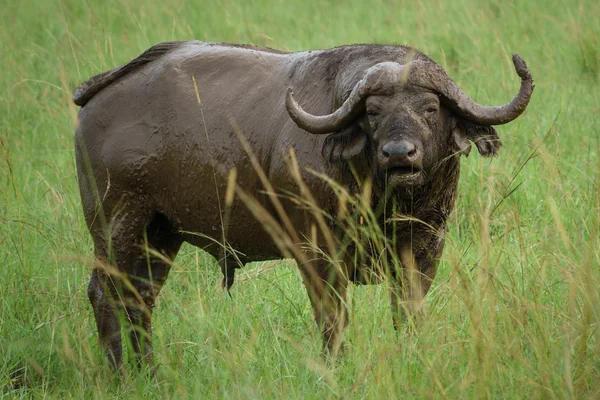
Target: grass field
514,311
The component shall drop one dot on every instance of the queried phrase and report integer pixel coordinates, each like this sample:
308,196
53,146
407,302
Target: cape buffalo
159,137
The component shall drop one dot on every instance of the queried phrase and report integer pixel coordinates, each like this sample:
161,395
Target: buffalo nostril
386,151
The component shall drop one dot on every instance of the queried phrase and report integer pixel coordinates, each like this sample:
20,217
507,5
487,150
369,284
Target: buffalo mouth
404,175
403,170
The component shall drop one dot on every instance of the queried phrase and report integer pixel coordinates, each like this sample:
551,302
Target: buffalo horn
377,78
383,77
433,77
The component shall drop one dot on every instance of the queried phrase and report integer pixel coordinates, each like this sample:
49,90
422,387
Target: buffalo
250,154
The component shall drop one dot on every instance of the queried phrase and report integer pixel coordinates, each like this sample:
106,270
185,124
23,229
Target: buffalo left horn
431,76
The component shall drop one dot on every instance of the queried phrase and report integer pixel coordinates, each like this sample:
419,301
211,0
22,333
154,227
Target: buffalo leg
107,290
228,265
147,281
118,254
405,303
326,289
408,290
102,292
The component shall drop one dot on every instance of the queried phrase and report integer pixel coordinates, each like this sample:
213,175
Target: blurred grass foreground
513,313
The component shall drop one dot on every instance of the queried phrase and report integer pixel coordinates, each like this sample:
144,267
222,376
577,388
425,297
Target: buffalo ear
485,137
461,142
344,145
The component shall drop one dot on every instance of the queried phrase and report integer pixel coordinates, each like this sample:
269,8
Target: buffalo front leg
326,287
407,291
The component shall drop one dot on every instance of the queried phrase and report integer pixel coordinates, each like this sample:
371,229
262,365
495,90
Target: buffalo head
412,116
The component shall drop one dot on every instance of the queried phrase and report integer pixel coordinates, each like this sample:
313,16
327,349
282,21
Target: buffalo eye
373,117
372,112
431,109
431,112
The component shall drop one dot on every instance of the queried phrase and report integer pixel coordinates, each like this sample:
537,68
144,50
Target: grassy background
513,313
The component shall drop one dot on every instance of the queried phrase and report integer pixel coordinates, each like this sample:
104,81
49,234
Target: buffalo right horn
378,78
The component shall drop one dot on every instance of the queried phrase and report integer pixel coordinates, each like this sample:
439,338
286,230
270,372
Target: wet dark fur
89,88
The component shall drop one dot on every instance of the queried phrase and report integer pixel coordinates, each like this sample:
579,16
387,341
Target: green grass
514,311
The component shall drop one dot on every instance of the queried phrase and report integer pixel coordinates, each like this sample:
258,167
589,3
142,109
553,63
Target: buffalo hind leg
326,289
147,279
107,289
103,295
118,250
